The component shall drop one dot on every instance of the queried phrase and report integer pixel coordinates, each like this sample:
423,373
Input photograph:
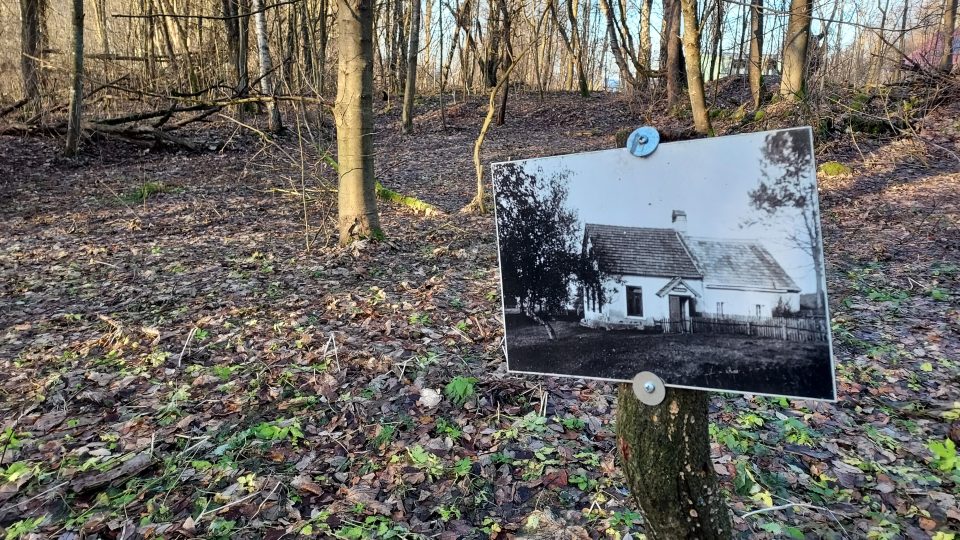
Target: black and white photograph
701,263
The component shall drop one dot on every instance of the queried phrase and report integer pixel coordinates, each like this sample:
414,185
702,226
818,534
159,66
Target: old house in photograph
663,275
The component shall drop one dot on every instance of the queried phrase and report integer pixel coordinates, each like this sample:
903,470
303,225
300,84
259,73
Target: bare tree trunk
150,33
506,60
323,37
76,87
103,27
428,35
308,73
665,451
675,60
266,65
490,62
397,47
713,73
756,52
875,72
357,200
443,112
236,22
793,81
625,75
32,14
691,50
946,30
571,43
290,49
410,89
646,47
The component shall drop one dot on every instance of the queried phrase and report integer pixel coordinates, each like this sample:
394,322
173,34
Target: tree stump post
665,455
665,452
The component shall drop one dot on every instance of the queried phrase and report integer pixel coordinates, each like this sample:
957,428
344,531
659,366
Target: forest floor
175,362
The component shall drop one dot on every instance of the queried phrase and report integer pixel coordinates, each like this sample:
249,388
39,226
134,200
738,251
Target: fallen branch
405,200
14,107
130,467
392,196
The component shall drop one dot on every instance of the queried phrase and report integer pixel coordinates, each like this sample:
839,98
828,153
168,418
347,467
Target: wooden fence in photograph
788,329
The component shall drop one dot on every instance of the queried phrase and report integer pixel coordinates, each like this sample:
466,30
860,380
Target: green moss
859,101
834,168
759,115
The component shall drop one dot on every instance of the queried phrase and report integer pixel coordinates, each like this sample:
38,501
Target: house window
759,310
719,308
634,302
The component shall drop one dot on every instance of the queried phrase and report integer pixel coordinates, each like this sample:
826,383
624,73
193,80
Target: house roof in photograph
641,251
739,263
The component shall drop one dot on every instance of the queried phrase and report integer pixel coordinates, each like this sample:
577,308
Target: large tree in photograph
541,253
357,200
787,189
793,80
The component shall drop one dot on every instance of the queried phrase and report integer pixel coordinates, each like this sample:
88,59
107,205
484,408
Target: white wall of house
744,302
614,311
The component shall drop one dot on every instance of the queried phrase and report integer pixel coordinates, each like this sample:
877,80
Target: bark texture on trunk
691,52
756,52
792,83
357,201
947,29
410,88
31,46
665,453
76,86
266,64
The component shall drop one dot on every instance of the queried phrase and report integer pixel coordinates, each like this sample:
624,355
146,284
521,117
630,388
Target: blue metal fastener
643,141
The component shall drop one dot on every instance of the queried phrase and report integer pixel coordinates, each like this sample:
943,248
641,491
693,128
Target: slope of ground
175,362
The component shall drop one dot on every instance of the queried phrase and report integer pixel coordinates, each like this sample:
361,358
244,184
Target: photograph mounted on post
701,262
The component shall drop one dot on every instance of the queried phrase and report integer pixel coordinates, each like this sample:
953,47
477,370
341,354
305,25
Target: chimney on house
679,219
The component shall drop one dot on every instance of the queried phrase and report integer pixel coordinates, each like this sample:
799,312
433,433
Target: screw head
650,387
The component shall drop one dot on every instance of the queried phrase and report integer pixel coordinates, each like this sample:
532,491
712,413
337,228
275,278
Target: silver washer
648,388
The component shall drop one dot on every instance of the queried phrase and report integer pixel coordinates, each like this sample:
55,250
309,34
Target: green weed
945,455
573,424
426,461
446,428
278,430
460,389
24,527
147,190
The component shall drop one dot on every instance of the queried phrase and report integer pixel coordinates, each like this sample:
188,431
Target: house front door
678,313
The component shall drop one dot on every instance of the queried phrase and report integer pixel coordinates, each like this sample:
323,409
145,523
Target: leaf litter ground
175,363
